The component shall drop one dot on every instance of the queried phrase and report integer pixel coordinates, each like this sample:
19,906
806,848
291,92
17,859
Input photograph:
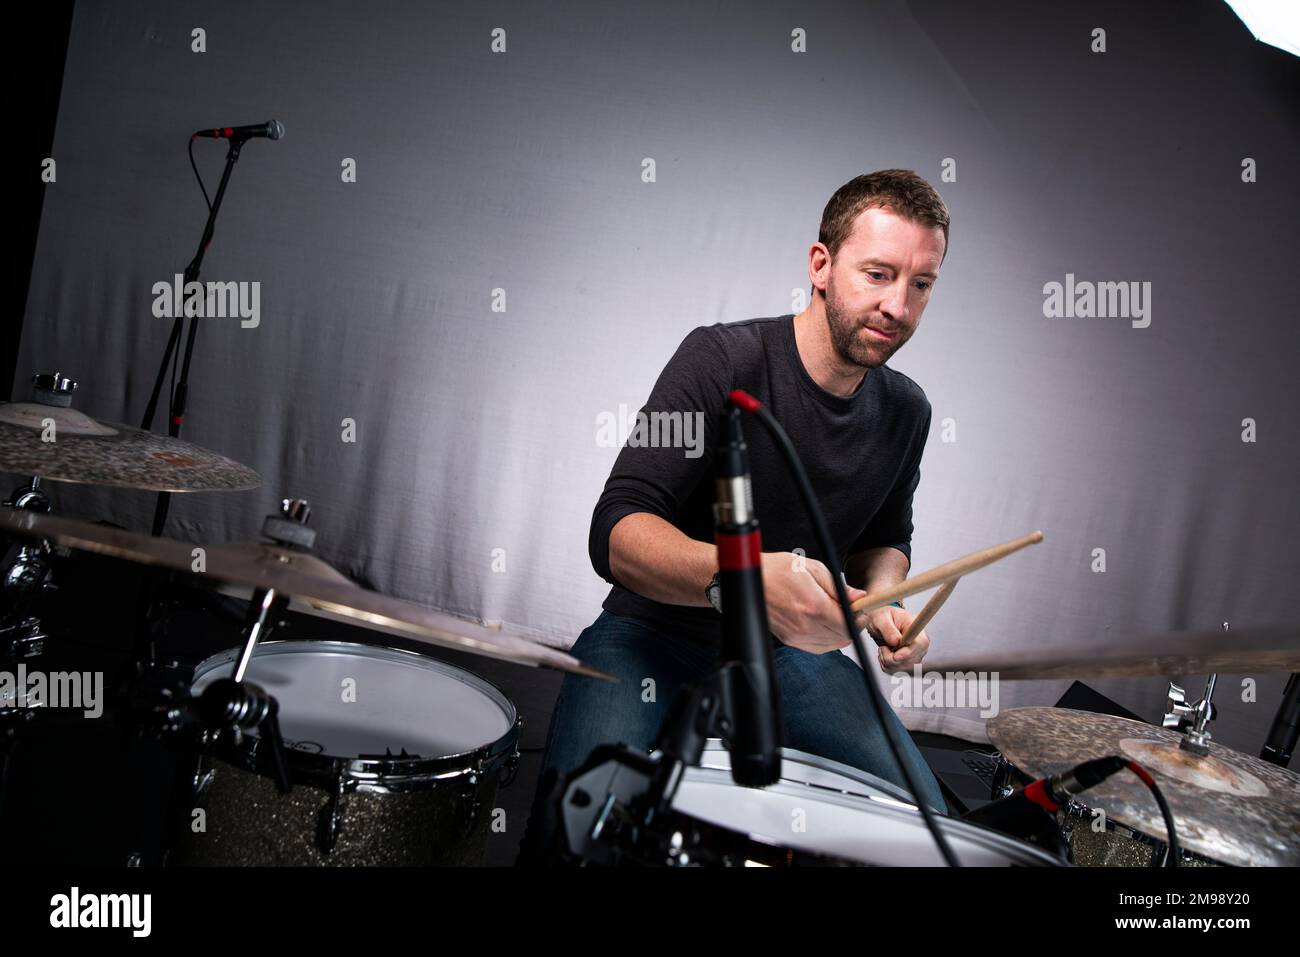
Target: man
859,427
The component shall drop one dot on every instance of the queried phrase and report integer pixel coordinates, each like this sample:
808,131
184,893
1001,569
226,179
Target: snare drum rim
369,774
1017,852
797,758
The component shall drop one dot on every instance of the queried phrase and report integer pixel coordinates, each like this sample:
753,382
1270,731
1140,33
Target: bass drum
823,812
395,759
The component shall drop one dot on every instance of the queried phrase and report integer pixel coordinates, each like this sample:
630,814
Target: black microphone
271,129
1285,729
1027,814
755,739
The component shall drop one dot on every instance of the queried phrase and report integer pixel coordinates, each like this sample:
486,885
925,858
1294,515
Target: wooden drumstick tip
945,572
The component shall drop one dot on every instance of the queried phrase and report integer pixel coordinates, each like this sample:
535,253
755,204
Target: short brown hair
898,190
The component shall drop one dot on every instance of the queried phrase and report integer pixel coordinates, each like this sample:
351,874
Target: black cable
874,695
1171,859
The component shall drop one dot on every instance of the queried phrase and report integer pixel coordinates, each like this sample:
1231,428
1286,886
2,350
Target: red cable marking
1141,772
1037,792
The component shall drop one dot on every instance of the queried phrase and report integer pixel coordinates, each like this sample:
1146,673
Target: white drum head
346,700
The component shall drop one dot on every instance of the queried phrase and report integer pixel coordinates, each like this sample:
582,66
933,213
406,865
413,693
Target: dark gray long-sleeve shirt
862,453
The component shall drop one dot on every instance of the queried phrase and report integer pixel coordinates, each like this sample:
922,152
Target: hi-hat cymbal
1226,805
1239,651
63,444
294,574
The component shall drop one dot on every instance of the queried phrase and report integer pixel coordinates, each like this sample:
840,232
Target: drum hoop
889,807
797,757
376,774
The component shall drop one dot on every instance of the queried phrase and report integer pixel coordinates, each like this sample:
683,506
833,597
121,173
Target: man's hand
802,609
886,626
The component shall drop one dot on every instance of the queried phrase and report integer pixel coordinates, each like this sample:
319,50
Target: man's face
878,285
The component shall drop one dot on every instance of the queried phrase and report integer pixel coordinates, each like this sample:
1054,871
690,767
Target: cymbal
91,452
1228,806
295,574
1239,651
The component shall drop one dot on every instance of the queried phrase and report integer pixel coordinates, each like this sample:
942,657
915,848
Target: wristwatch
713,592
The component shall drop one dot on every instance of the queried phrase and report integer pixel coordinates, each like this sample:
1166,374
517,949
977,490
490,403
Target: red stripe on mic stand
739,552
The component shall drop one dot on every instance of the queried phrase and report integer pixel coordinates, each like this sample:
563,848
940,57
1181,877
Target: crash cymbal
293,574
1240,651
63,444
1228,806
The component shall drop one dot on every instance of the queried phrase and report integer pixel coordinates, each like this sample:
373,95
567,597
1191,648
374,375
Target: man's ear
812,252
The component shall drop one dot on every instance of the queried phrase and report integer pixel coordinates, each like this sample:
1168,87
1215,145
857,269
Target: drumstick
929,611
942,573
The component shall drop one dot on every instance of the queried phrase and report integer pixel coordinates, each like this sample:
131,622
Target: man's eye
875,274
923,285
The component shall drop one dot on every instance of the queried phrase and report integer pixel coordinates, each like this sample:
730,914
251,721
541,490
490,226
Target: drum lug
510,769
330,822
201,781
1070,817
467,800
1003,779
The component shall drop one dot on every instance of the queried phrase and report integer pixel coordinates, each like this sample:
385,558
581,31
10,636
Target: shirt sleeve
891,526
649,475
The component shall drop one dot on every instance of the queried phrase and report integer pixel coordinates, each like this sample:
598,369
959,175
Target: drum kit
376,751
304,752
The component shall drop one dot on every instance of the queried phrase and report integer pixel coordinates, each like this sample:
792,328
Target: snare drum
395,759
823,812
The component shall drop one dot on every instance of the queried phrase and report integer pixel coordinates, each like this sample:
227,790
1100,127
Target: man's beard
846,336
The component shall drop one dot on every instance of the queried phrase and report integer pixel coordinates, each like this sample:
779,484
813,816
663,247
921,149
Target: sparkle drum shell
395,759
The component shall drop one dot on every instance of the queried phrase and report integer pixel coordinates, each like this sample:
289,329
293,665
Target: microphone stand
610,809
177,401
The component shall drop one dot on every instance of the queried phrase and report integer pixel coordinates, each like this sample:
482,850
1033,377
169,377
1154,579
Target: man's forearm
876,568
655,559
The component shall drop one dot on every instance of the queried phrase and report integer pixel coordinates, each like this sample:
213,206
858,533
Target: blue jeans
823,705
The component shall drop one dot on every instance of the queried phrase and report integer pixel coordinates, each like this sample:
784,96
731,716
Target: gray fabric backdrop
522,171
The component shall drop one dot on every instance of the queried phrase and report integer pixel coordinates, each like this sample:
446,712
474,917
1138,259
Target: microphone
1027,814
755,739
1285,729
271,129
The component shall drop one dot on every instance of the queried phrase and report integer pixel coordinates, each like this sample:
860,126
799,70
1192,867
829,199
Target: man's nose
894,305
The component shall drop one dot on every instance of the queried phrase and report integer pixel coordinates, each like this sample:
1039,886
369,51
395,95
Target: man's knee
628,710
